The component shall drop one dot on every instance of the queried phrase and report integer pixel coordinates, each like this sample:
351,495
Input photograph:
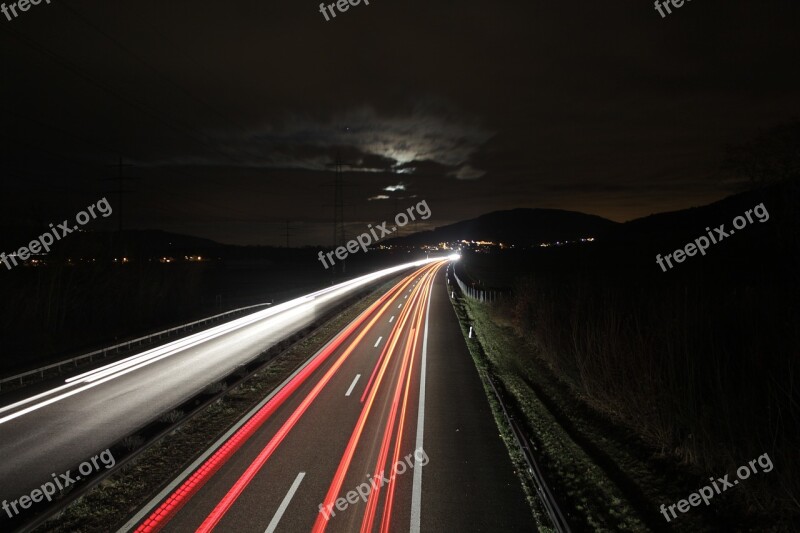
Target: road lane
472,485
53,433
344,443
326,424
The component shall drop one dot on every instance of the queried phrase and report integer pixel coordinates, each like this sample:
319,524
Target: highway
55,430
387,428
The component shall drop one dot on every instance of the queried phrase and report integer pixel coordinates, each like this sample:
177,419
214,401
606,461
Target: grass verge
520,467
603,477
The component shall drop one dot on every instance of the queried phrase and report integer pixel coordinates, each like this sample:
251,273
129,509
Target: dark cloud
231,114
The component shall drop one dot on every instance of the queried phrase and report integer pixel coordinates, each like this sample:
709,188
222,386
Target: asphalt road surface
55,430
387,428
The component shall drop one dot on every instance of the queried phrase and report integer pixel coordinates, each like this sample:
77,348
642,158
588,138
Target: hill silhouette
521,227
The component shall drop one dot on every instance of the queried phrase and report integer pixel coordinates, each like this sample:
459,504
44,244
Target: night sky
229,114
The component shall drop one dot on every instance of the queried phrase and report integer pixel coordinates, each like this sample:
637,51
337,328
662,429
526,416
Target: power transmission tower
120,191
288,234
338,206
339,233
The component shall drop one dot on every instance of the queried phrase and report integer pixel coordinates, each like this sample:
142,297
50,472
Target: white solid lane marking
131,524
36,397
285,503
416,490
378,341
391,319
353,385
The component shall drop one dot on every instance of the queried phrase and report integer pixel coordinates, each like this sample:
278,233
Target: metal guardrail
321,321
477,294
127,345
543,491
66,499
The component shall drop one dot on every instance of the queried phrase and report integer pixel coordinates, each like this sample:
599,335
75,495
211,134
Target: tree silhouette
773,157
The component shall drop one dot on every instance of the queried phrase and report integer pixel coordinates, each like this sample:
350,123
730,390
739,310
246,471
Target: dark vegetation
700,361
51,312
